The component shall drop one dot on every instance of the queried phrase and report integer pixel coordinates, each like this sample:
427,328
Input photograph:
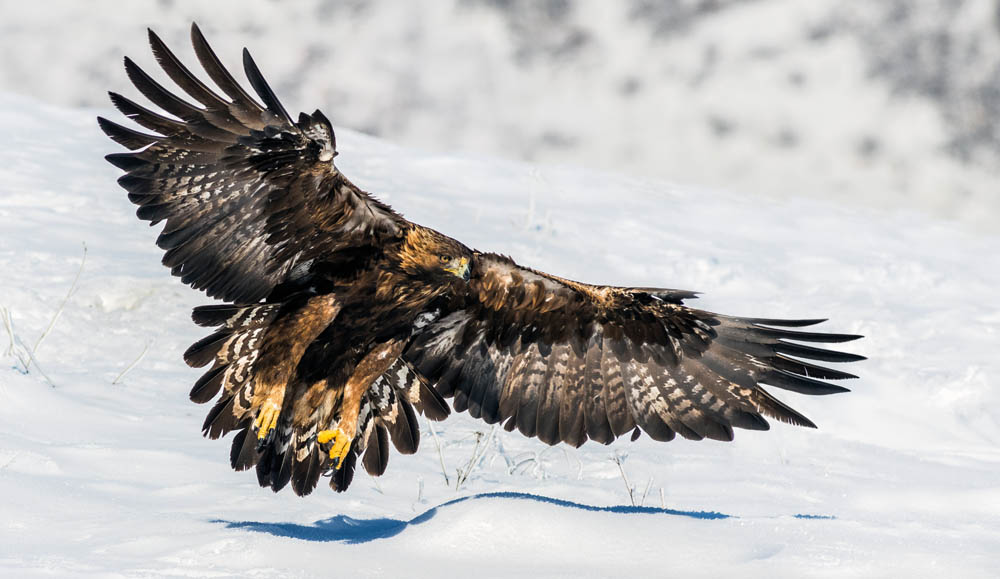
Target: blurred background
889,104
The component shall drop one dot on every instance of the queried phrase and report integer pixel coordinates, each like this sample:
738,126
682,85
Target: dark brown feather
244,453
343,476
247,194
649,362
404,431
376,457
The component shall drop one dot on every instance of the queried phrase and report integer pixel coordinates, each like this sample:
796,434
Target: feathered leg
373,365
286,342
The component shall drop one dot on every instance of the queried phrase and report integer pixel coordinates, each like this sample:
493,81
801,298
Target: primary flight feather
343,320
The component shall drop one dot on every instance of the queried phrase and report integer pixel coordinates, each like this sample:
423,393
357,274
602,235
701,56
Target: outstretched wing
566,361
247,194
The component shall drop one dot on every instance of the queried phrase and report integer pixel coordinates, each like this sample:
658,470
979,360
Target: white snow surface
885,103
107,475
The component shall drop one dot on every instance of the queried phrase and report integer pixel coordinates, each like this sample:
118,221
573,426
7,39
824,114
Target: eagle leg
284,344
341,436
340,444
267,417
373,365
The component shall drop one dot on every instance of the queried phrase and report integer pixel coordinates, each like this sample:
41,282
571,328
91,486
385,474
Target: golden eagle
343,319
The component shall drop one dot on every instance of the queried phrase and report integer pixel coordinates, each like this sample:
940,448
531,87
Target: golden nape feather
342,320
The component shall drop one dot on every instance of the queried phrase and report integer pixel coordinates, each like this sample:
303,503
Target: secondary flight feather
342,320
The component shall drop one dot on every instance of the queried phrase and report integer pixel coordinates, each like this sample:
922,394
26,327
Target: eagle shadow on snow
350,530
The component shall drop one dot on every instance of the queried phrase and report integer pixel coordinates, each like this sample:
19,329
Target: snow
888,104
104,471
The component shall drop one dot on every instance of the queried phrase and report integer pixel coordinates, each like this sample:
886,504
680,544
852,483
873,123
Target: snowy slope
889,103
108,476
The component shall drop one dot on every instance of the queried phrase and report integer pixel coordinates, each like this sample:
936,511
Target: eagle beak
462,269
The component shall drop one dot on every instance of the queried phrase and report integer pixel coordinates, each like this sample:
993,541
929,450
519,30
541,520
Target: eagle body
332,330
342,321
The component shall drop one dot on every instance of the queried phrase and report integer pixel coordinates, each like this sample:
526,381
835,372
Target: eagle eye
445,258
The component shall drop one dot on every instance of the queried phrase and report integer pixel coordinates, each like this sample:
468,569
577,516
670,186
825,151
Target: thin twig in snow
133,364
620,460
62,305
477,456
486,447
13,349
503,454
460,476
437,442
32,359
518,465
649,484
10,331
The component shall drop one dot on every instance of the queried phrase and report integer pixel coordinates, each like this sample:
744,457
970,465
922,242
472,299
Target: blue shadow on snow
350,530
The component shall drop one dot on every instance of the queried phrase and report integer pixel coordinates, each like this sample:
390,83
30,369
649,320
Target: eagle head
427,253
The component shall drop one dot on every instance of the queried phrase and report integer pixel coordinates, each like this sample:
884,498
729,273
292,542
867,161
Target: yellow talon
267,419
340,441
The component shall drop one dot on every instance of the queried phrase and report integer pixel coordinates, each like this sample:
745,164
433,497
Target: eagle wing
566,361
248,195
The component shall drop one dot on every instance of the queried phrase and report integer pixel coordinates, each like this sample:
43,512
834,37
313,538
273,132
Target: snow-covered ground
888,103
106,474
